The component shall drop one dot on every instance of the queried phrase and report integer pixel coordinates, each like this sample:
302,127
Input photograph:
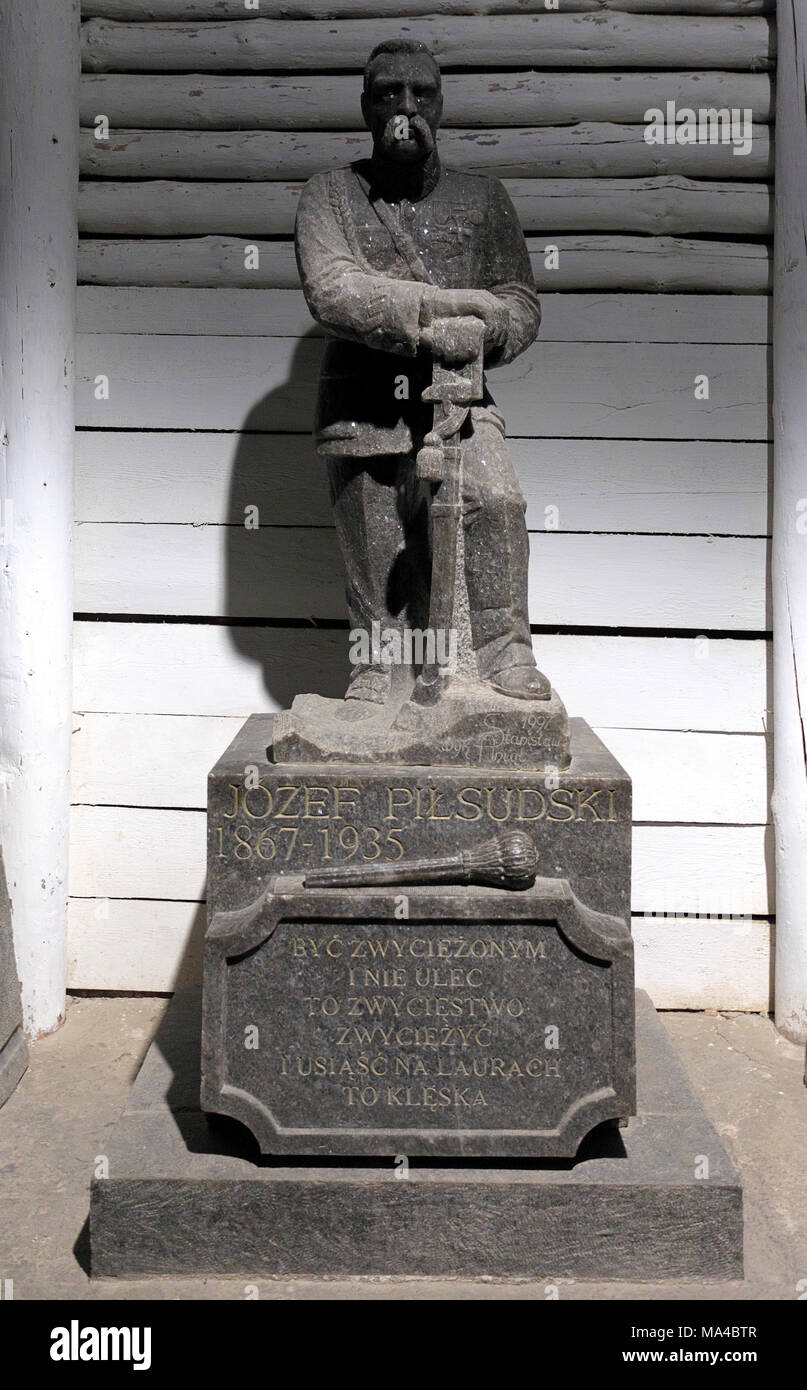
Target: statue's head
402,101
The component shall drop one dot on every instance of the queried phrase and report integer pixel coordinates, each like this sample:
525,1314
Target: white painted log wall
542,39
586,150
591,262
188,10
669,204
209,101
663,499
241,118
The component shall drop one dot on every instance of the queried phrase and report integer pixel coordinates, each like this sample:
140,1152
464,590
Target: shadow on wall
283,576
285,581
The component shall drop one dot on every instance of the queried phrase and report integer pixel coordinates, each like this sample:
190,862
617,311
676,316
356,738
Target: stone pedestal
13,1047
190,1195
266,819
464,1022
517,1168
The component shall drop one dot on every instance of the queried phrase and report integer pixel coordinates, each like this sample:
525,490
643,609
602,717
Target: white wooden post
39,74
789,554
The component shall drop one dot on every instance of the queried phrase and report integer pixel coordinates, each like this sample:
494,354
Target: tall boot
496,572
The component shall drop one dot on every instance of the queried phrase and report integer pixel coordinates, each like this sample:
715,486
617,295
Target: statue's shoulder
462,178
334,186
330,192
479,189
321,182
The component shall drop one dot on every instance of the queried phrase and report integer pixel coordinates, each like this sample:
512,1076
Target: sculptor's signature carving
494,743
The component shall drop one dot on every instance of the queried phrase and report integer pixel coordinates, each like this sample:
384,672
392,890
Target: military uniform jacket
361,287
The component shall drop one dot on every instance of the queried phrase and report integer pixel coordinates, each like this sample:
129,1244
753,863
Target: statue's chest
448,239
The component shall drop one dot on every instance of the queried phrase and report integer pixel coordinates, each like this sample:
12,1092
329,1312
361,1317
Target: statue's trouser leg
381,520
496,548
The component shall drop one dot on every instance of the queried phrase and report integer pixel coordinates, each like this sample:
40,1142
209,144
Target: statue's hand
480,304
455,340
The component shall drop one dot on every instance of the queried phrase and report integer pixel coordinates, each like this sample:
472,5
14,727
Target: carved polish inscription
401,1026
295,823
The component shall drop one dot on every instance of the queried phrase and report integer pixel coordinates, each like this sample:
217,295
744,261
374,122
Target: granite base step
190,1195
13,1064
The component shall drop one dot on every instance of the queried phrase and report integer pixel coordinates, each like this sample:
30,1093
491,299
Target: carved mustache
418,127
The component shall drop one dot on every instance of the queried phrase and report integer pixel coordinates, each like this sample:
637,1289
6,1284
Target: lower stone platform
190,1195
13,1047
13,1064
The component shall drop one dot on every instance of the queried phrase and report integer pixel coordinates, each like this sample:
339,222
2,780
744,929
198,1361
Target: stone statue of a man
390,250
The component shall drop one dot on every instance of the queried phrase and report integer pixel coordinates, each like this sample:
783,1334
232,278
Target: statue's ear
365,109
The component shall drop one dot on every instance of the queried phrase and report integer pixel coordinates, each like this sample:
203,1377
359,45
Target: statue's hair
398,46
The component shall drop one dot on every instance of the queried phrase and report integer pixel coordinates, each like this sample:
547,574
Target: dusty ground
749,1079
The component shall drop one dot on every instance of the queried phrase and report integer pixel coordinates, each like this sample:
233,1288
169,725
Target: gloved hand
481,304
455,340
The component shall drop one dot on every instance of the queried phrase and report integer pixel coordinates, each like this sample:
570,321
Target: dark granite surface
265,820
421,278
189,1195
459,1021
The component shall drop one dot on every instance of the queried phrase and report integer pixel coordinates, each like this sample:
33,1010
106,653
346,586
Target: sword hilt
430,463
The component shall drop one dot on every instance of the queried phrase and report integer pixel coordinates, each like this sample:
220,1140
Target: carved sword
453,390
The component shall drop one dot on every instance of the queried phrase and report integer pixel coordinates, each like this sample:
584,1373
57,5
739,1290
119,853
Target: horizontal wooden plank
163,760
278,313
592,390
657,206
328,9
684,488
614,318
614,581
591,149
547,40
688,870
694,778
697,963
154,668
662,264
152,759
156,947
617,682
131,852
134,852
329,102
121,944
